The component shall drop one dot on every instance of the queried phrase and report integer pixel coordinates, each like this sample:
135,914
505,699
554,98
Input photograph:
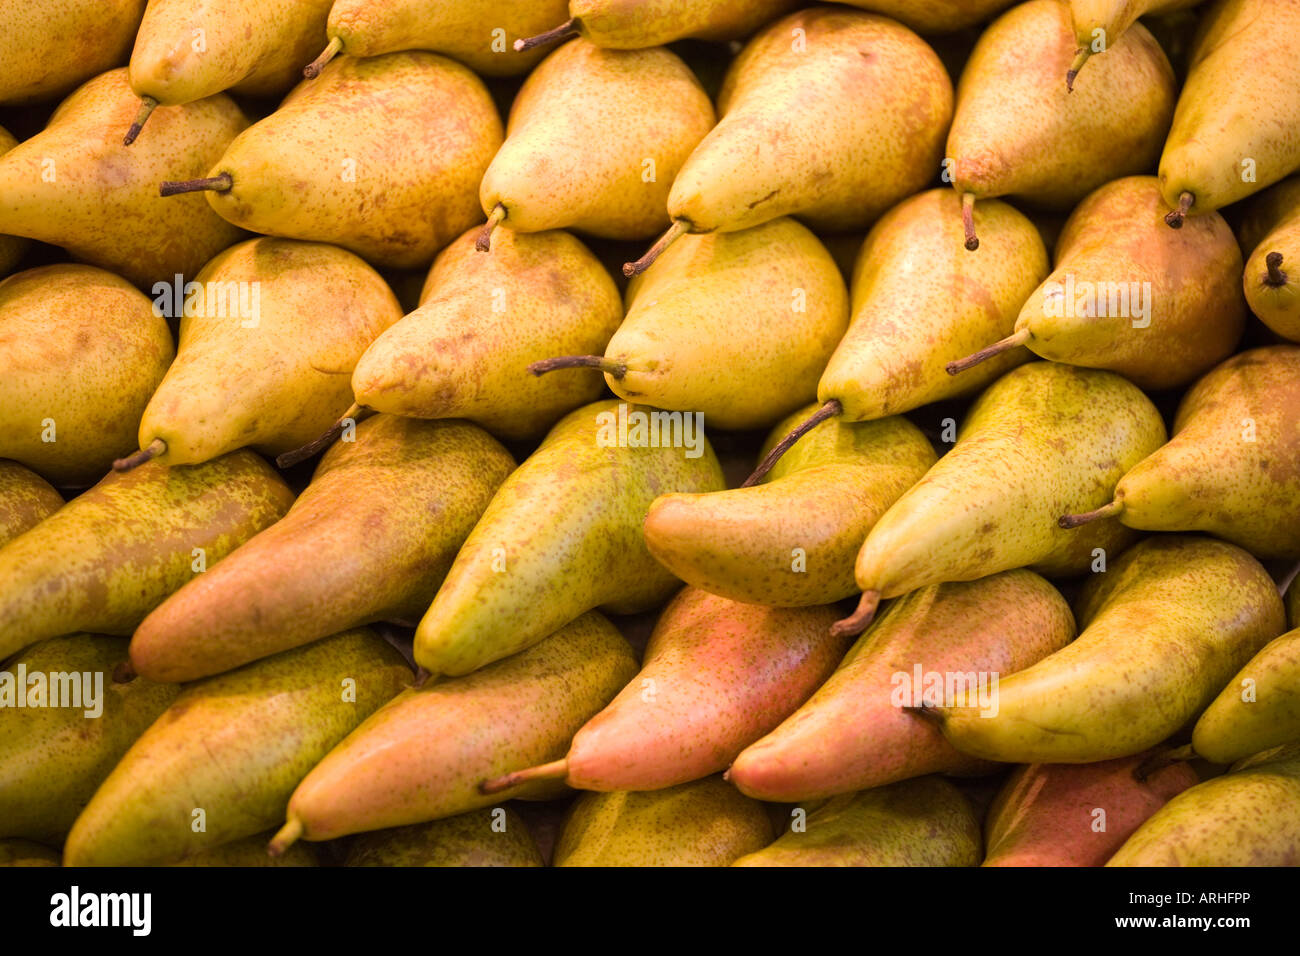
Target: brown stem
1158,762
216,184
857,622
997,348
312,69
1080,58
631,269
1175,219
927,712
287,836
1105,511
484,241
422,675
124,672
568,28
614,369
154,449
356,413
829,410
555,770
1276,277
147,106
968,221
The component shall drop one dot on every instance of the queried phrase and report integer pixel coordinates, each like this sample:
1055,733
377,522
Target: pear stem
555,770
286,837
568,28
147,106
1158,762
611,368
216,184
290,458
312,69
1175,219
422,675
829,410
968,221
926,712
674,232
124,672
154,449
997,348
1080,58
1105,511
857,622
484,241
1276,277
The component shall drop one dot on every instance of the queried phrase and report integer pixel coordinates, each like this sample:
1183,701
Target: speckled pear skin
379,525
560,168
1241,101
278,379
1042,441
12,248
106,559
822,496
562,536
793,138
704,823
49,48
1164,629
1249,817
1118,236
1258,709
27,853
254,49
920,301
491,836
852,734
1278,306
423,756
85,349
924,822
26,499
481,320
52,759
99,200
934,16
251,851
1046,814
1211,477
379,155
1017,130
635,24
262,727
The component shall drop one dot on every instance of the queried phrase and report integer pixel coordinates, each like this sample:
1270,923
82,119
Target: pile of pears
692,433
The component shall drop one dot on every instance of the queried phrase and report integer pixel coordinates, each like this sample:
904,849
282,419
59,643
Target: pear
380,523
481,320
1099,23
487,837
1249,817
935,16
703,823
1272,277
619,25
853,734
423,756
1076,814
1230,467
791,541
267,345
1040,436
250,851
1235,129
717,675
46,52
26,499
12,248
186,50
379,156
75,185
1258,709
53,758
81,351
925,822
1129,295
560,168
27,853
262,727
106,559
1165,627
563,535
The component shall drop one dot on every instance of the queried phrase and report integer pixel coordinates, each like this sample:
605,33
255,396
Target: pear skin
53,758
26,499
109,557
853,733
495,836
791,541
563,535
1098,23
935,16
620,25
703,823
251,851
12,248
1258,709
47,49
81,352
481,320
1164,628
423,756
379,525
27,853
1272,277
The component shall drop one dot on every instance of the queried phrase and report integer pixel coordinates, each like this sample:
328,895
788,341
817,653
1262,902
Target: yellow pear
48,48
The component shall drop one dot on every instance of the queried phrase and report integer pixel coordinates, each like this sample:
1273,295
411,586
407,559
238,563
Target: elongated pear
1272,276
81,352
423,755
1099,23
853,734
261,728
12,248
619,25
64,725
107,558
26,499
1164,628
380,524
75,185
792,540
495,836
1258,709
45,51
563,535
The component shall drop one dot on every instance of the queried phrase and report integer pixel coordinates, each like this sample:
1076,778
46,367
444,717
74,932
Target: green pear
26,499
924,822
487,837
935,16
379,155
703,823
46,51
423,756
1258,709
12,248
563,535
560,168
267,344
838,478
1237,126
27,853
380,524
1272,278
481,320
1164,628
1129,295
81,351
251,851
54,754
1099,23
107,558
